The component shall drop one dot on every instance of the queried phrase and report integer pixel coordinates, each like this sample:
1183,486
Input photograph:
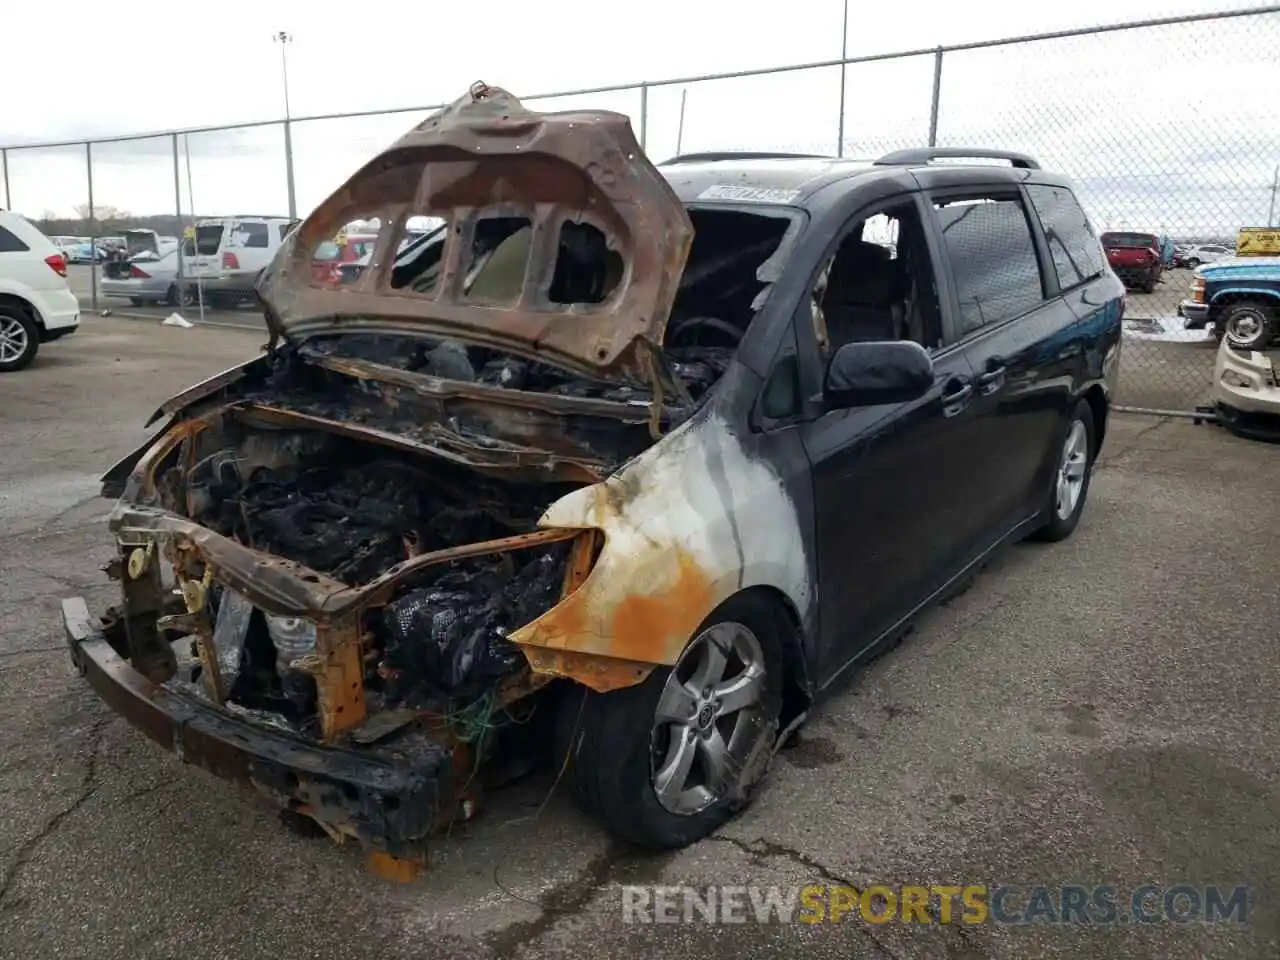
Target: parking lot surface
1097,712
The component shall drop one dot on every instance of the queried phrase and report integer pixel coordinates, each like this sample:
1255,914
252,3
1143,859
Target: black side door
1014,327
889,527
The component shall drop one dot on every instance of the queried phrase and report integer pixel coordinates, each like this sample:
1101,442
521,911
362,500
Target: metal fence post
844,68
4,161
288,169
177,207
937,95
93,230
644,114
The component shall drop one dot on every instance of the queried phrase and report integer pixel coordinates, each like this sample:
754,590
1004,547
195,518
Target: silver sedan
146,278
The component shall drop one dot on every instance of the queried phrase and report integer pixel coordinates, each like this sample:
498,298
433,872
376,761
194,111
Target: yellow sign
188,233
1258,242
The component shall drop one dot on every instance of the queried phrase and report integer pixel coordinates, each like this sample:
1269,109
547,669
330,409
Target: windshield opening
732,263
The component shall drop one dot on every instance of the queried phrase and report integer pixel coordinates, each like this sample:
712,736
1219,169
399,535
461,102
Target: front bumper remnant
390,807
1196,314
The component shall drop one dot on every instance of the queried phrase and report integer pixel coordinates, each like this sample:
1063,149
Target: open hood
564,243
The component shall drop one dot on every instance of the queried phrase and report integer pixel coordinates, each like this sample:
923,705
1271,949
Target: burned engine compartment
353,510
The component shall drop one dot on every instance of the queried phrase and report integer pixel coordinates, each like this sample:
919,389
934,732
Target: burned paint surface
486,156
676,545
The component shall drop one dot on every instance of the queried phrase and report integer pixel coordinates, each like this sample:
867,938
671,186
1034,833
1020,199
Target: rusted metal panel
675,547
284,587
487,155
389,805
338,669
508,463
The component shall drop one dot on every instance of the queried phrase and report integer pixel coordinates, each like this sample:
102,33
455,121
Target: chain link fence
1169,127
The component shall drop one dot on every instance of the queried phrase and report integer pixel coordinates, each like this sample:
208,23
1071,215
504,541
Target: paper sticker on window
726,191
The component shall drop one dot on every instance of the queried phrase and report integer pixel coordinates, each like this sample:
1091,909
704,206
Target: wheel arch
797,687
24,305
1096,397
1234,295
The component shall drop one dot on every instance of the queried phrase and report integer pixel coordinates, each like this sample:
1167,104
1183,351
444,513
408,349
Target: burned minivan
619,465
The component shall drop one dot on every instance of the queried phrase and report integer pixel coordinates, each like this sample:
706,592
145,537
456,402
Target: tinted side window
11,244
254,234
1075,251
988,242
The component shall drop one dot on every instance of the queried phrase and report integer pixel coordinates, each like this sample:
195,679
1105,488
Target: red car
326,265
1134,258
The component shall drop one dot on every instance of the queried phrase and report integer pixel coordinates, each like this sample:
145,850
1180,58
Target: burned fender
686,525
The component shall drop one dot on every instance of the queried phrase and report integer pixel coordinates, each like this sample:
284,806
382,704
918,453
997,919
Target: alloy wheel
1071,469
708,719
13,339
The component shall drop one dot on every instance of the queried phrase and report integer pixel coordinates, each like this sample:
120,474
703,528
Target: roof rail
741,155
248,216
923,155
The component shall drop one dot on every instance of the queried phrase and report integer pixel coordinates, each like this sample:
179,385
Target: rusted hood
486,156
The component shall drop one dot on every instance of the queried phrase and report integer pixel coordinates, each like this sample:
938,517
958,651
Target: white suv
230,253
36,304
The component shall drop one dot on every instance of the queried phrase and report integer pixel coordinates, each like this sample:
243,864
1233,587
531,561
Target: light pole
284,39
844,55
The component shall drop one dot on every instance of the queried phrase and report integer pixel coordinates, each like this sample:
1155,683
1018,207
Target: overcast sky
1177,125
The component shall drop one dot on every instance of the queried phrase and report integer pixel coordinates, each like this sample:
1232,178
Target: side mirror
871,373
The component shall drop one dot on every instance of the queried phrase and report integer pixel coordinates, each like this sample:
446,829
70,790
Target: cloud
1173,127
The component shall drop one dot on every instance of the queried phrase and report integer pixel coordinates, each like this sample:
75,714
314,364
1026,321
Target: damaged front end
340,582
328,618
1246,392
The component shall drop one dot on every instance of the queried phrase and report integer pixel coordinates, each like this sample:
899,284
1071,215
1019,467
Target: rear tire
707,753
19,339
1073,469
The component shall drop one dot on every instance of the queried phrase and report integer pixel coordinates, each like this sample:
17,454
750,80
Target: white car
230,253
1207,253
36,305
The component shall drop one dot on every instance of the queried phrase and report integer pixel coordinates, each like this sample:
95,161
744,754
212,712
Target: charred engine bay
418,390
352,510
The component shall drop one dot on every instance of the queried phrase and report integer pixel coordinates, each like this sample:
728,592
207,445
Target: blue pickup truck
1240,297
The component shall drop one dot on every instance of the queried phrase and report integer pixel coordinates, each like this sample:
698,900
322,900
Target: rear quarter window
9,243
252,235
1077,255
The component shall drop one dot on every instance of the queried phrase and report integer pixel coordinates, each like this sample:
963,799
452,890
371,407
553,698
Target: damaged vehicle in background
625,465
1246,393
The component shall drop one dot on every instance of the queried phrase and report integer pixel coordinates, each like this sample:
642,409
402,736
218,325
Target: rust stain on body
612,620
645,626
486,155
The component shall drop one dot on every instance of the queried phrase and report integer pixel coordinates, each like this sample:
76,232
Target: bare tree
101,212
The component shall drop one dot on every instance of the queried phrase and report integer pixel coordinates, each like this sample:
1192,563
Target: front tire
19,340
666,762
1248,325
1072,472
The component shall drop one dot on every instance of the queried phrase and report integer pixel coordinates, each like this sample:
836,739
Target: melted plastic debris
450,637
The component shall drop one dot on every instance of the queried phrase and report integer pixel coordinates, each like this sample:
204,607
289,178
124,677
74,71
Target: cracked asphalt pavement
1101,711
